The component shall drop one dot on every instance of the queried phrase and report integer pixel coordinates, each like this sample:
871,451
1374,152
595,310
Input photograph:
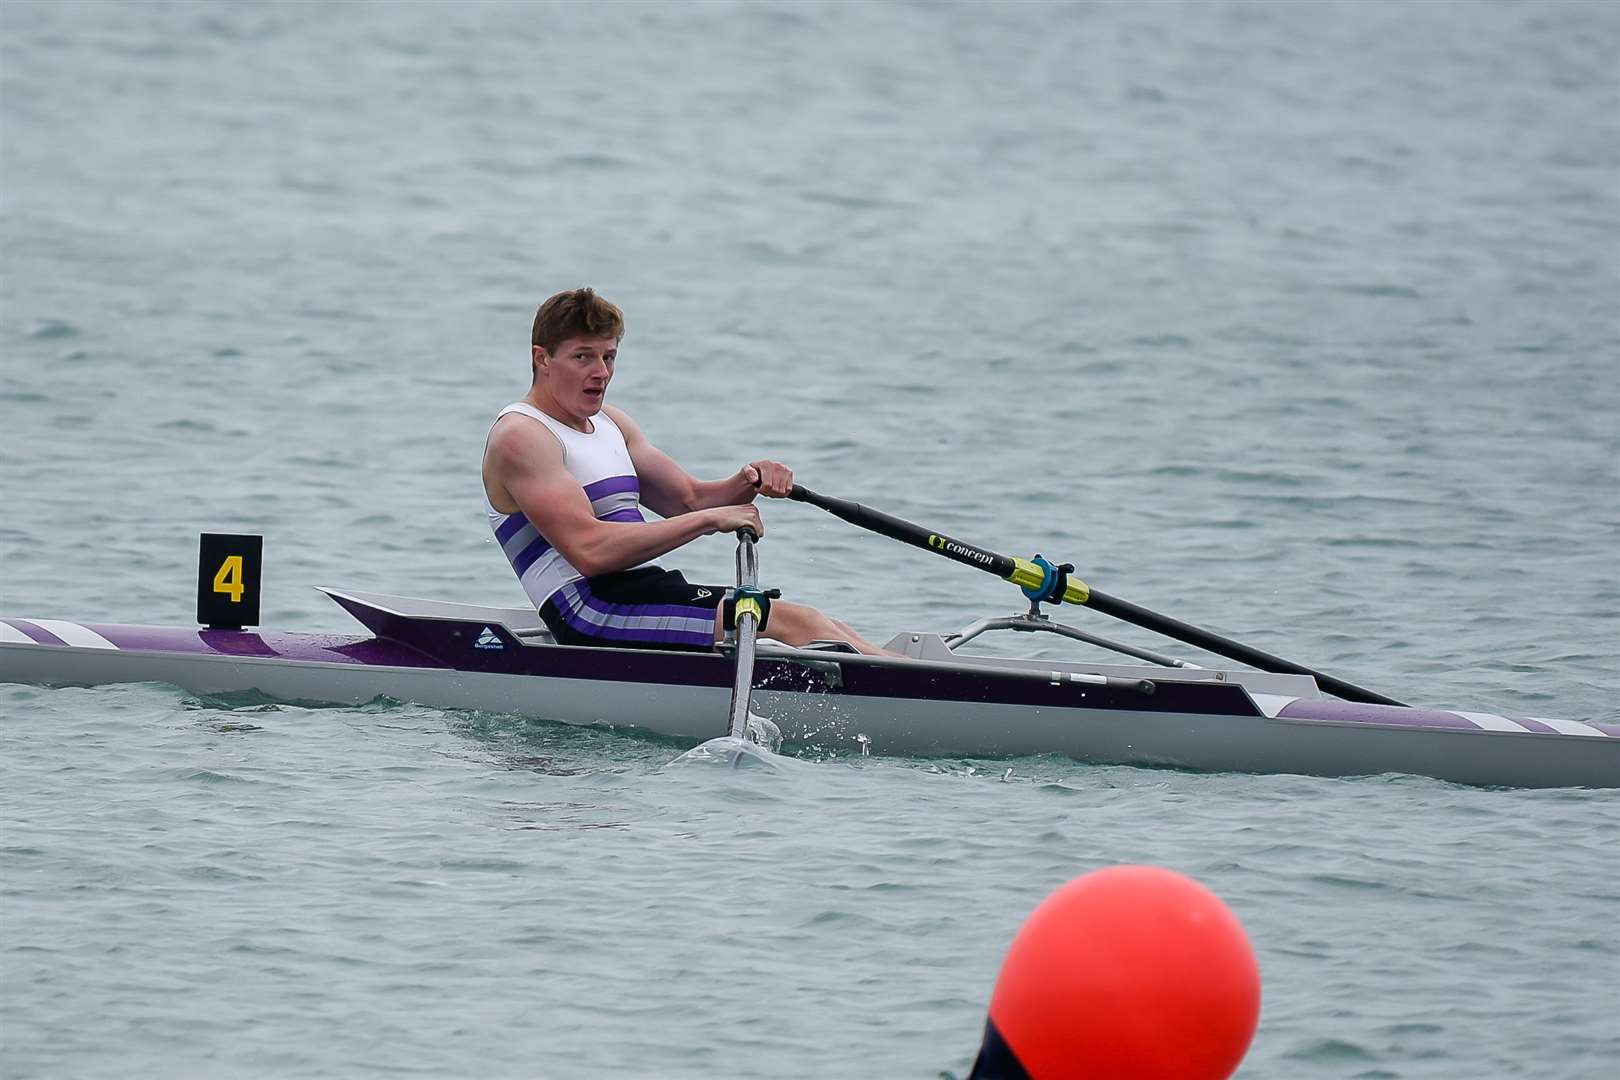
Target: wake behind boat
933,700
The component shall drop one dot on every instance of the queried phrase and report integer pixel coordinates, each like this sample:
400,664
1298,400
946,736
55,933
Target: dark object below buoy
1128,973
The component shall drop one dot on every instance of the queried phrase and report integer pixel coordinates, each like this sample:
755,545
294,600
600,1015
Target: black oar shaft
1225,646
904,531
1006,567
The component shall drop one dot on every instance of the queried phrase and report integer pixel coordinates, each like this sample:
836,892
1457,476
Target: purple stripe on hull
612,485
40,635
236,643
1353,712
447,645
324,648
510,528
1607,729
1534,725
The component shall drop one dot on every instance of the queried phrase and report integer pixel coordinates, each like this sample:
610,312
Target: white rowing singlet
601,463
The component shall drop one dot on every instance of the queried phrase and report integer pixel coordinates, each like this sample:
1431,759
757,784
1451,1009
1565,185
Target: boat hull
1195,720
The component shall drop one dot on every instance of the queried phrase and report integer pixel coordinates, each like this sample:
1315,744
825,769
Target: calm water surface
1298,321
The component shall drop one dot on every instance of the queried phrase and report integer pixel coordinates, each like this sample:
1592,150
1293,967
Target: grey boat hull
945,704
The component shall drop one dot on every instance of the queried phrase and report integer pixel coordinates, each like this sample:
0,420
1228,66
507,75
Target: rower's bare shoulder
629,427
519,443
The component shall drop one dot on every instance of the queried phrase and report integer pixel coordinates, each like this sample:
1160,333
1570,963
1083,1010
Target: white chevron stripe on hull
1569,727
11,635
74,634
1492,722
1271,704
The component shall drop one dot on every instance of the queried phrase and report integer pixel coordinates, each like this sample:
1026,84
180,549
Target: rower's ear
538,363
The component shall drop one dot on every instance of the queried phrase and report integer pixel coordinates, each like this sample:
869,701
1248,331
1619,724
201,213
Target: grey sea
1296,320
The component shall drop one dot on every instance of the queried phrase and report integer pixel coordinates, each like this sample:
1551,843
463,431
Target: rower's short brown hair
576,313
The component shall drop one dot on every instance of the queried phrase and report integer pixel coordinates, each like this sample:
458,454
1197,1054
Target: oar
748,613
1071,590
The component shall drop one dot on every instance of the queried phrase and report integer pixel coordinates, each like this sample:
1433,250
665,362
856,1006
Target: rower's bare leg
799,624
855,639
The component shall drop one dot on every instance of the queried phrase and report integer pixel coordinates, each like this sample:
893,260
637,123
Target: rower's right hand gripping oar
1045,583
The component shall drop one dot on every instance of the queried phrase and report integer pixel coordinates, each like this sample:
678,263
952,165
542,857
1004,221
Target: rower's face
579,371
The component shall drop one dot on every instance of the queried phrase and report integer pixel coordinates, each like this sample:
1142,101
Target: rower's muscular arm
668,489
524,470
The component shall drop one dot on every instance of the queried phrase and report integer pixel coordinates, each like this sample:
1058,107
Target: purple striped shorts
646,608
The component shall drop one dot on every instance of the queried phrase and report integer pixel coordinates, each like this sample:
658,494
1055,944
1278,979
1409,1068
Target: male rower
565,477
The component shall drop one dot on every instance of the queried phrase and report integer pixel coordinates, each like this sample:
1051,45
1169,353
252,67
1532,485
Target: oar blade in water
759,746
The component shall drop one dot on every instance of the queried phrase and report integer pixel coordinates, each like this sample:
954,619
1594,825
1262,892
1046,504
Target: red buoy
1128,973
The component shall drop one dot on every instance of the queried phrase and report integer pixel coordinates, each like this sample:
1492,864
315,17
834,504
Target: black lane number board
228,580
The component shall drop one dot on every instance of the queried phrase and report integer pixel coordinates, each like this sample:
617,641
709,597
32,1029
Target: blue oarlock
1054,582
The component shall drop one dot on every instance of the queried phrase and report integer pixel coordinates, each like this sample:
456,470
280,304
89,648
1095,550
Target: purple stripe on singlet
510,528
627,514
526,558
612,486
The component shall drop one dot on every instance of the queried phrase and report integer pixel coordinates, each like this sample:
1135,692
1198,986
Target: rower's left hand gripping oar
746,613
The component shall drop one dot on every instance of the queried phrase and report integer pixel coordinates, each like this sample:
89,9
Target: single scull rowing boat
936,701
932,700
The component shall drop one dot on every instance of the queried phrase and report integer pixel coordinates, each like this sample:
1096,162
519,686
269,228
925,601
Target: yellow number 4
229,578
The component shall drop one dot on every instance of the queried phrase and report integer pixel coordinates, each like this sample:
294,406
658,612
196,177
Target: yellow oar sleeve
1026,575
